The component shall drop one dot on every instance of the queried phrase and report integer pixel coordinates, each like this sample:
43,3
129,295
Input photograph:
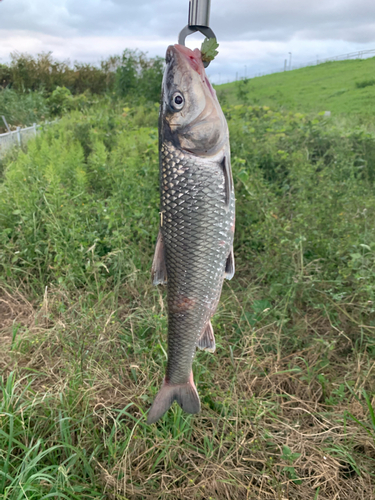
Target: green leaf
260,306
208,49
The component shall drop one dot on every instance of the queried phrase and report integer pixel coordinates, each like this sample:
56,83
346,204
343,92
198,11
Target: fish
194,247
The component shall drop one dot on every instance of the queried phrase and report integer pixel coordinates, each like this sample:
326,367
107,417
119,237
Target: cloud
89,48
233,20
283,20
258,34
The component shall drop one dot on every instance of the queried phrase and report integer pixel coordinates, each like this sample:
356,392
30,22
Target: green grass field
287,399
344,88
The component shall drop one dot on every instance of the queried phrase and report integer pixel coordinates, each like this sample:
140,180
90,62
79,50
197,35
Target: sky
255,36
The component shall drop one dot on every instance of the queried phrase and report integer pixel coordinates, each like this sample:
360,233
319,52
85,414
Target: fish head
190,111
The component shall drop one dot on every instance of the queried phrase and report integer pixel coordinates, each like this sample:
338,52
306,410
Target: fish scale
198,237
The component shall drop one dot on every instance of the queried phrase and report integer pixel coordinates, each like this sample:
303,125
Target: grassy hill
343,87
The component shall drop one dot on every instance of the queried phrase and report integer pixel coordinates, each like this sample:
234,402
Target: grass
287,399
344,88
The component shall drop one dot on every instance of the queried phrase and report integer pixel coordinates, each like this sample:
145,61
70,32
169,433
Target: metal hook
199,20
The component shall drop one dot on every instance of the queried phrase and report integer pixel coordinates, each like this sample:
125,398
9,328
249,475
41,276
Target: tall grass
287,398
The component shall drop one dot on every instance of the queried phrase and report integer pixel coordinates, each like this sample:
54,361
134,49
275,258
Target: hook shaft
199,13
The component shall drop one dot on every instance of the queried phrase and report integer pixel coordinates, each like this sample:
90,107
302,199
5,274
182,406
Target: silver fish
194,249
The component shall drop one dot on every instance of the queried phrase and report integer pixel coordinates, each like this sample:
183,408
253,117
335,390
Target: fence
18,137
351,55
361,54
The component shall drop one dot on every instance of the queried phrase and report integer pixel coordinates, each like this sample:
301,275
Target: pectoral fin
228,181
206,341
229,266
159,268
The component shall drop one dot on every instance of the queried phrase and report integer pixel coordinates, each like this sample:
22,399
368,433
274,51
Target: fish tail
186,396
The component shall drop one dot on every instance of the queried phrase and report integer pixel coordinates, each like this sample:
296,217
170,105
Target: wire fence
18,137
361,54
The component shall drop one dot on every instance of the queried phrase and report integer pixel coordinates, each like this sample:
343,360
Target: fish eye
177,101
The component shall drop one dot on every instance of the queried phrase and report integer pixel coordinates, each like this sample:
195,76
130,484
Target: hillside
342,87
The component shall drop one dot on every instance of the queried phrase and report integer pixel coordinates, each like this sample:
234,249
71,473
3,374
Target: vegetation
41,88
28,73
117,73
287,399
22,108
343,87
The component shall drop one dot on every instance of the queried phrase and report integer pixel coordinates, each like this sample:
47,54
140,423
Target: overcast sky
254,35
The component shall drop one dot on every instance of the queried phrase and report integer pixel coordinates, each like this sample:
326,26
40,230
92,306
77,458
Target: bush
45,73
40,88
305,206
365,83
5,75
133,74
22,108
139,78
60,100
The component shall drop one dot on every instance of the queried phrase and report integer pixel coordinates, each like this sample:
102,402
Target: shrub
365,83
22,108
139,78
305,198
60,100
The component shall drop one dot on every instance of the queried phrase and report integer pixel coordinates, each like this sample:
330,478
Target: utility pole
290,60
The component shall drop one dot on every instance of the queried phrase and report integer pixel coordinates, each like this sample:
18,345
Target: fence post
19,135
5,123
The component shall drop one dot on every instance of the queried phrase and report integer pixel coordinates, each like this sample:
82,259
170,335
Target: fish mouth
193,57
182,54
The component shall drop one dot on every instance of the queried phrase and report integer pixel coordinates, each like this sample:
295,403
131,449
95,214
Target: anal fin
206,341
159,268
229,266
